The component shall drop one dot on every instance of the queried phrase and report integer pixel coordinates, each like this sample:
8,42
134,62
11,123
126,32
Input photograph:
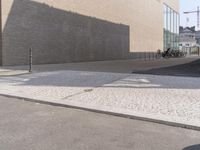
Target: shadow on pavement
93,79
191,69
194,147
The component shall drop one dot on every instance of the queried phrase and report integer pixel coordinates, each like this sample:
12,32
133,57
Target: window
171,28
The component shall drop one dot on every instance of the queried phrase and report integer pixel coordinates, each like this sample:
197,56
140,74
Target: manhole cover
88,90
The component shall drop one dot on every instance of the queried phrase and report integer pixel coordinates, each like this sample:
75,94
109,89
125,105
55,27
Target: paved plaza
168,98
188,66
167,90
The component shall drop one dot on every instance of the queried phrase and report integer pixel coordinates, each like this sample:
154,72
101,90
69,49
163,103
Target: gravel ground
168,98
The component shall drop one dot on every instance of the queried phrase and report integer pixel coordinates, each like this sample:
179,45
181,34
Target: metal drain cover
88,90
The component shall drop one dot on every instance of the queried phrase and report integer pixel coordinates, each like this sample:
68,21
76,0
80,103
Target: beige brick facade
1,57
81,30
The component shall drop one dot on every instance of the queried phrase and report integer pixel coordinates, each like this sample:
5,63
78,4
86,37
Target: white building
198,37
187,38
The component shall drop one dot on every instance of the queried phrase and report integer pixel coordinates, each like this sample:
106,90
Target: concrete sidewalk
110,87
164,99
12,72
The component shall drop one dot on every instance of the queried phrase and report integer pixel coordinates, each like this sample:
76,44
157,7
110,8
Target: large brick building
62,31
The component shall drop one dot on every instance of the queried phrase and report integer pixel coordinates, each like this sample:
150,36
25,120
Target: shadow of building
59,36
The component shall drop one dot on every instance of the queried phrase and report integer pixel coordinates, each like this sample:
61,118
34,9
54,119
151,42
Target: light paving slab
11,72
55,85
166,98
172,99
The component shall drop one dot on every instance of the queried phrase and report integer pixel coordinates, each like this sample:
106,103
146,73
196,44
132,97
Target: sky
189,5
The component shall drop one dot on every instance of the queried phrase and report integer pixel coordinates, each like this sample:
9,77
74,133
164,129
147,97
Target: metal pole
198,15
30,60
149,56
145,56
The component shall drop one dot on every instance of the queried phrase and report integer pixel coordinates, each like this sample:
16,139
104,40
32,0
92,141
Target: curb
168,123
13,75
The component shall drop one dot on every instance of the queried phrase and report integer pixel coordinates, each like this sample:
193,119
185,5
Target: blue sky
188,5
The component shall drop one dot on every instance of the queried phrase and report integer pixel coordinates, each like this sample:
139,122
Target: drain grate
88,90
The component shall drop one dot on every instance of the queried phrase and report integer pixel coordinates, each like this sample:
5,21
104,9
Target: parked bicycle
170,53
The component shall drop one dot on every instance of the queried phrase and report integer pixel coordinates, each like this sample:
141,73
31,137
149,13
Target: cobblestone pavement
33,126
174,99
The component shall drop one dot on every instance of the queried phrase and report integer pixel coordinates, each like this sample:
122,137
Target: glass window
168,19
171,28
171,20
165,17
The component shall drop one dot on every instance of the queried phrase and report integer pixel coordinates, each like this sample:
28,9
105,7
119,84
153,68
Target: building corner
1,31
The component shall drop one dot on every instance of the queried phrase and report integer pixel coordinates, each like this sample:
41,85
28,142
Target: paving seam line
95,87
92,88
168,123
